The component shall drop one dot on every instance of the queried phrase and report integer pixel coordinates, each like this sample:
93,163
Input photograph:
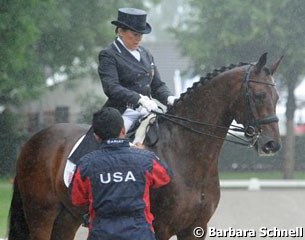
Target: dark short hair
107,123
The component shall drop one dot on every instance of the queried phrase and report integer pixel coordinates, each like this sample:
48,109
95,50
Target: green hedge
11,136
238,158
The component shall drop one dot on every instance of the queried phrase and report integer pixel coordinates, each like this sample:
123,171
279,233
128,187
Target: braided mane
208,77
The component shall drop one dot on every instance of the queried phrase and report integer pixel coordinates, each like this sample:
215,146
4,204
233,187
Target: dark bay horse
41,208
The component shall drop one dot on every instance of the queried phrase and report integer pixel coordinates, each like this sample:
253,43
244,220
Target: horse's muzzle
271,147
268,149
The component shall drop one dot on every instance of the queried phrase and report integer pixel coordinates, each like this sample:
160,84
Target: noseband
253,126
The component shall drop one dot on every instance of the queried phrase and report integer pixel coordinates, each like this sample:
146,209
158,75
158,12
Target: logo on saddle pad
117,177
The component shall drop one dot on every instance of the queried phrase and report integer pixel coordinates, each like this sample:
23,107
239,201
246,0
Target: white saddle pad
70,166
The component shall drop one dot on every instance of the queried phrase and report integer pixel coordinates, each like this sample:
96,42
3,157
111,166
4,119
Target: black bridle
252,129
252,125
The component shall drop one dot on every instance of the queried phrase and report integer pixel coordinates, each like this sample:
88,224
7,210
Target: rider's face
130,38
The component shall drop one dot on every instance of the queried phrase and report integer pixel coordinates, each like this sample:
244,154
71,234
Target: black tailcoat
124,78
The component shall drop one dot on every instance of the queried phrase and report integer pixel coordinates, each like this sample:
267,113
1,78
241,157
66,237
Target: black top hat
134,19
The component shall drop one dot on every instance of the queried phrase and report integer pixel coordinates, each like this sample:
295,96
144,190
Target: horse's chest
197,203
190,204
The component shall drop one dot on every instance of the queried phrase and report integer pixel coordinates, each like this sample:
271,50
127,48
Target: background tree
42,39
216,33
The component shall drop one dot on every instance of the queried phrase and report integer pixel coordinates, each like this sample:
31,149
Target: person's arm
80,189
108,73
160,173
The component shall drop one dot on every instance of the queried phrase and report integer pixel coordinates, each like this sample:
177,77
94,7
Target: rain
49,75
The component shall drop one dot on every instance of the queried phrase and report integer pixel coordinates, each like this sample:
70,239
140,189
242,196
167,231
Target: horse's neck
210,104
184,149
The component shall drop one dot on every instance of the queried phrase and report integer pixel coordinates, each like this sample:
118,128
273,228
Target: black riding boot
85,218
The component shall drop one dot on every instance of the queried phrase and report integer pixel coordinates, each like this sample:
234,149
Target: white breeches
130,116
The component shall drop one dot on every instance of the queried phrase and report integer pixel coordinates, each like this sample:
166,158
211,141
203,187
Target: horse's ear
261,63
275,65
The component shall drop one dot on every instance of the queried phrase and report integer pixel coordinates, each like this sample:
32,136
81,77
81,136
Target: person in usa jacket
115,181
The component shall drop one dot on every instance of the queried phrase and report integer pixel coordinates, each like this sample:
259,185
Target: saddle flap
152,134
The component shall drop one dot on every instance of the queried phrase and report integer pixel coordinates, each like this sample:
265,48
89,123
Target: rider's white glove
147,103
171,100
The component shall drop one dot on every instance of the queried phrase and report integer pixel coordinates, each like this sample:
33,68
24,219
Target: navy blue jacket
123,77
115,182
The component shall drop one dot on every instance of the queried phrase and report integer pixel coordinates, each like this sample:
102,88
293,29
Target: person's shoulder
108,50
90,157
144,152
146,52
109,47
144,49
138,149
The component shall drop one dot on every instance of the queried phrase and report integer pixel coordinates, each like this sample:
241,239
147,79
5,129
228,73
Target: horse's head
255,107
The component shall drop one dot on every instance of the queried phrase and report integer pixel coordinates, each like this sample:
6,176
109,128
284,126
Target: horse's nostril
271,146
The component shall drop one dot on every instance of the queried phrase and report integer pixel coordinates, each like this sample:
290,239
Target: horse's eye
259,97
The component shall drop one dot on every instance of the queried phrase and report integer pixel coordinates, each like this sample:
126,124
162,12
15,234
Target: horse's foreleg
65,225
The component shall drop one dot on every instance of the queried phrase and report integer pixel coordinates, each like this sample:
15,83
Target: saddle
144,131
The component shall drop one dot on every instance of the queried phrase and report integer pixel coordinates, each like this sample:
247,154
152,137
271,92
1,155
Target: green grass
5,199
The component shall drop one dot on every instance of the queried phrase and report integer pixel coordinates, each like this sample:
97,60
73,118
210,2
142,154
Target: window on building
62,114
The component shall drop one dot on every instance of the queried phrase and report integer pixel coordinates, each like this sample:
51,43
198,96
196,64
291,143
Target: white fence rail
257,184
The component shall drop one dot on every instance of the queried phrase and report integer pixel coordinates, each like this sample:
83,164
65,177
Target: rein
177,120
252,129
